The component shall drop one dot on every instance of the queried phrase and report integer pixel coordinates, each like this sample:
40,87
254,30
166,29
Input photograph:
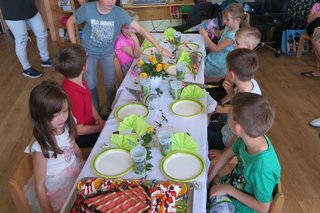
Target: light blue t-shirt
100,31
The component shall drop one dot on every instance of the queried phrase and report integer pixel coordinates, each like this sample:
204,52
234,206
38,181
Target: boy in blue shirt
251,183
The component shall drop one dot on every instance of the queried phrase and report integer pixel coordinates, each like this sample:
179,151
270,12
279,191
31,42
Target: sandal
310,75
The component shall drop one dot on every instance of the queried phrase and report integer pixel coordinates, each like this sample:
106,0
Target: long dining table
195,126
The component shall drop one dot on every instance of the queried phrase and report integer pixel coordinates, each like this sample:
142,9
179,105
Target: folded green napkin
146,44
183,142
126,142
192,92
184,57
168,33
135,122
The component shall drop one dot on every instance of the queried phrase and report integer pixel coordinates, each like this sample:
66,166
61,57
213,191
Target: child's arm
228,86
222,161
97,118
39,163
251,202
133,52
212,46
71,22
148,36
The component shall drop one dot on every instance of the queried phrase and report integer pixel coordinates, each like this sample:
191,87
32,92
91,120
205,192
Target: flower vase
155,82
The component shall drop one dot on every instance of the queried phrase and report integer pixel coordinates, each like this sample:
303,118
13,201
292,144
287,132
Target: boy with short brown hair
251,183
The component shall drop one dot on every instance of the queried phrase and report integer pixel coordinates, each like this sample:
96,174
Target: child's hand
220,189
215,154
227,85
100,123
203,32
165,53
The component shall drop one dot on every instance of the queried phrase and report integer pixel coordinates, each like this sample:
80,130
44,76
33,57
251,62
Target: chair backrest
119,74
276,6
278,200
16,183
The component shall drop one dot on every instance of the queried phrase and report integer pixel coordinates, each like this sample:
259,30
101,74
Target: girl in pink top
127,45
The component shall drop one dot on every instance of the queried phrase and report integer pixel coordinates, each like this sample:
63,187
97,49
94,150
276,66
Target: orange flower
140,62
159,67
165,66
143,75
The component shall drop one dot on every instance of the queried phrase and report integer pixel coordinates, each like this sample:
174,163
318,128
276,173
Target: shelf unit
56,14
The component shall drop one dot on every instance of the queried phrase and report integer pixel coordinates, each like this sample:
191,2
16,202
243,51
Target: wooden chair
278,200
16,183
304,36
119,74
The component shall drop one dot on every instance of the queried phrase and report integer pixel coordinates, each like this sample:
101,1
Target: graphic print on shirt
236,178
102,31
68,152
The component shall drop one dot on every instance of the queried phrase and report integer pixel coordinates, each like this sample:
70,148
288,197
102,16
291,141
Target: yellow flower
140,62
165,66
159,67
143,75
153,59
150,130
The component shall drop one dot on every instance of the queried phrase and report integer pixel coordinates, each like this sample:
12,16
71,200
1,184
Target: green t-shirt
254,174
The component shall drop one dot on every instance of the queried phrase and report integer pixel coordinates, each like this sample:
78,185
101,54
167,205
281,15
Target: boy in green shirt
250,184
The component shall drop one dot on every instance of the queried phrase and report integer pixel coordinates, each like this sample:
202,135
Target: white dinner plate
129,109
149,51
188,46
182,166
186,108
112,163
172,70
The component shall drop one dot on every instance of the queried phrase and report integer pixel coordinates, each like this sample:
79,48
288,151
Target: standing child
56,157
72,63
242,65
234,18
127,45
251,183
102,22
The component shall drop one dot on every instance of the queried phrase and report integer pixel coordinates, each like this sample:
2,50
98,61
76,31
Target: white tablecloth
196,126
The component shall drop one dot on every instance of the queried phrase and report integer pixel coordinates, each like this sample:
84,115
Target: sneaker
47,63
32,73
315,123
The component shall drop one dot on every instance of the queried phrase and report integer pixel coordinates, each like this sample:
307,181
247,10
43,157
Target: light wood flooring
295,98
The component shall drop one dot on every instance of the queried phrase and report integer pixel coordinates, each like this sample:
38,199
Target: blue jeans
107,64
20,33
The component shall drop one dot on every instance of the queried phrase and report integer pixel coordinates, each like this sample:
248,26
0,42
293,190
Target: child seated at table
215,66
246,37
71,62
127,45
56,158
250,184
242,65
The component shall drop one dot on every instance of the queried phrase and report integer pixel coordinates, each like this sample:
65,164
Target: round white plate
186,108
182,166
172,70
129,109
149,51
188,46
112,163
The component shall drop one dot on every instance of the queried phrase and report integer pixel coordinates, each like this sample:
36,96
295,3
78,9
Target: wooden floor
295,98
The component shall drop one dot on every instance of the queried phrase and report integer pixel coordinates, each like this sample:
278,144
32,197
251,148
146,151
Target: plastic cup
145,85
180,71
139,155
175,89
177,37
159,57
221,204
165,142
152,101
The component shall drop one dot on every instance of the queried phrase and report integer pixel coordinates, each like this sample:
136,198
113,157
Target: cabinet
58,11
